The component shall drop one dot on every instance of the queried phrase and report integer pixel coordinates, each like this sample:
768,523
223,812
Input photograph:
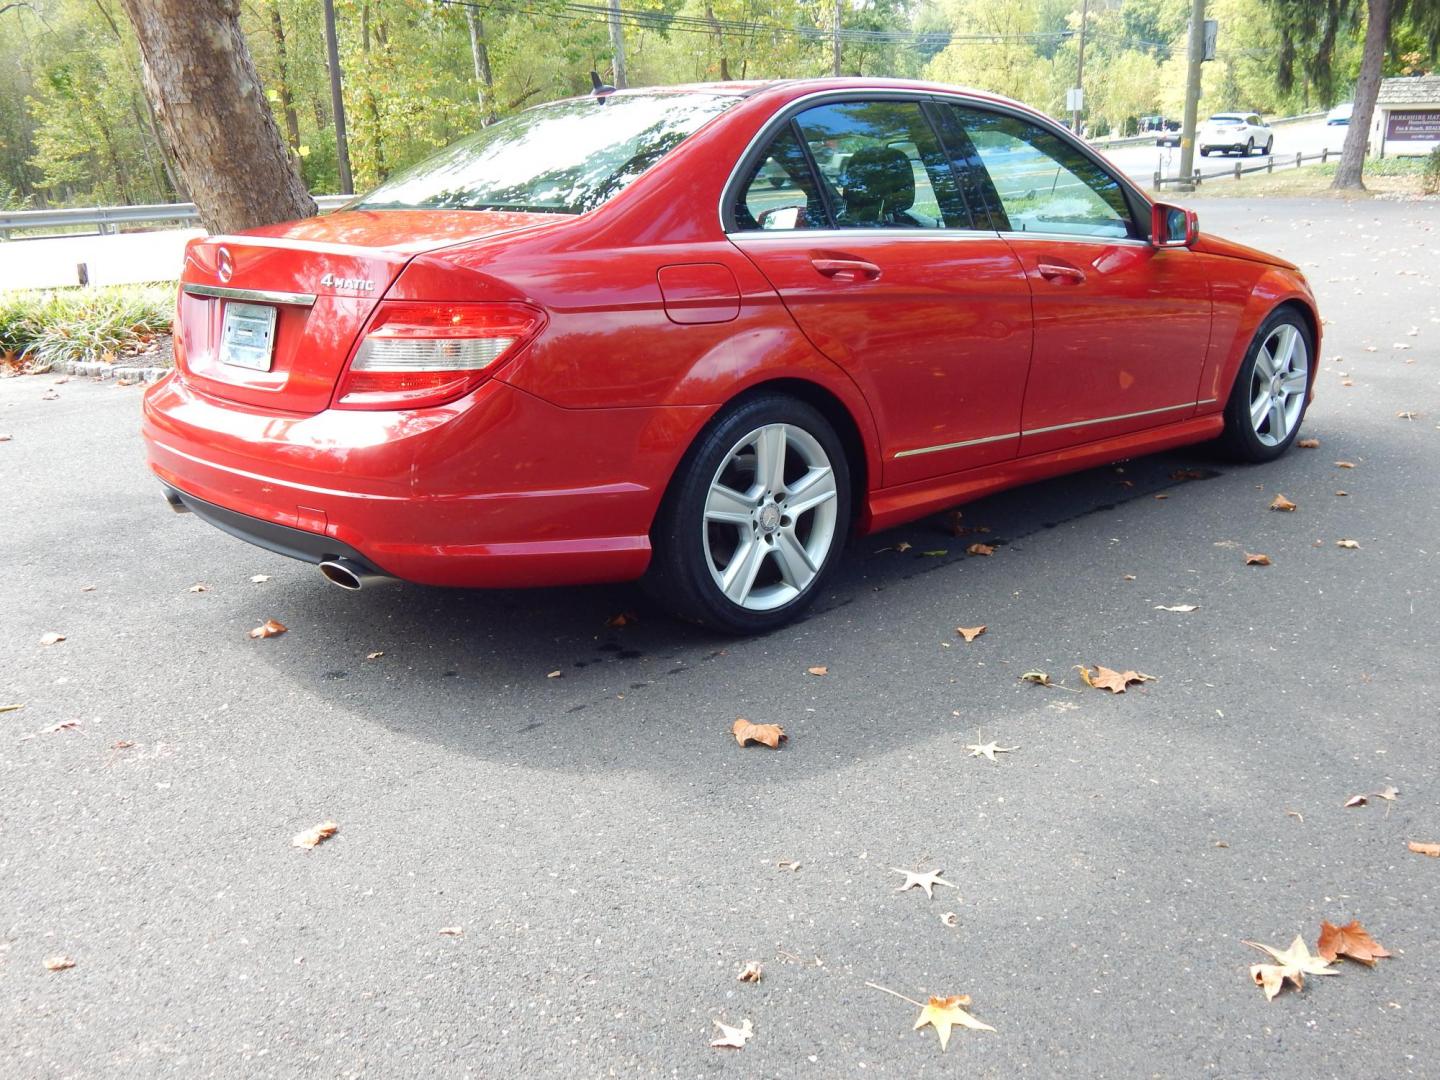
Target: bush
1430,178
40,329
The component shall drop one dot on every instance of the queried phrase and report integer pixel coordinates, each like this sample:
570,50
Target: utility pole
617,44
835,40
1192,95
337,101
1080,69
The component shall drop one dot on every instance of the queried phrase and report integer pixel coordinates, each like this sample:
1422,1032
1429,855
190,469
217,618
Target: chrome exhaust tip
350,575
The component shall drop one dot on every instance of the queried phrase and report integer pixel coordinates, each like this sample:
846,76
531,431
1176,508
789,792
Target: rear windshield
563,158
1226,118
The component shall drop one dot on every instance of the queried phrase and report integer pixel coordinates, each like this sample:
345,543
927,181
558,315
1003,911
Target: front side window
1042,183
563,158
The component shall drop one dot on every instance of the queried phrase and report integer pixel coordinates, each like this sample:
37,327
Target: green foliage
45,328
1430,177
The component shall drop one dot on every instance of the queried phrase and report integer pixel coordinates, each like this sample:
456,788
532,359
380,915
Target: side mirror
780,217
1173,226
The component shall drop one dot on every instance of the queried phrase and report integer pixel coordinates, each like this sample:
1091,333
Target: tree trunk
1367,87
202,82
282,67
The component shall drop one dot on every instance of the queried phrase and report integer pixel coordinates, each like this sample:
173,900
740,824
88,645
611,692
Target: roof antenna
599,89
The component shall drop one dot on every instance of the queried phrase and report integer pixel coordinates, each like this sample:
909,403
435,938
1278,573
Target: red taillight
418,354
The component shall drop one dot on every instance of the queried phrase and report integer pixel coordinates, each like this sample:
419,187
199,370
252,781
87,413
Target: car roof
1229,115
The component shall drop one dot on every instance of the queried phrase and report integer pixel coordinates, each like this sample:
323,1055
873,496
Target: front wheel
1268,401
1249,147
1269,145
755,519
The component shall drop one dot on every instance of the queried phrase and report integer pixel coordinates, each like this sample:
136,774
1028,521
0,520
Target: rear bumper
497,490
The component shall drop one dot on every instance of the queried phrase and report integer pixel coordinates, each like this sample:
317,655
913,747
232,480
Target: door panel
937,336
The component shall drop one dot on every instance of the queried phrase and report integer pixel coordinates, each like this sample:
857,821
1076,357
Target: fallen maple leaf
1281,503
1347,543
1433,850
1291,965
1039,678
733,1038
59,963
312,837
927,881
969,633
1344,464
1308,444
769,735
818,670
980,549
52,638
1354,800
752,972
1351,941
1106,678
269,628
1256,560
1177,607
988,750
943,1013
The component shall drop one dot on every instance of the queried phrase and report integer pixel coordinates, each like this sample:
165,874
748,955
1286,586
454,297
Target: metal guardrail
1269,165
108,219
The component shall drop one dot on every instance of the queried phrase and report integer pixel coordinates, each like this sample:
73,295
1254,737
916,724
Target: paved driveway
613,859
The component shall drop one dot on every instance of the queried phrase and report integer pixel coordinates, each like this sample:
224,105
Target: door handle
847,269
1060,272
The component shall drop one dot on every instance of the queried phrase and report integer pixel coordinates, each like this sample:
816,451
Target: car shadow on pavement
586,678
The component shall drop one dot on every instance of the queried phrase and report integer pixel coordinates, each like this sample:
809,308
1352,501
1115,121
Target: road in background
1308,137
609,858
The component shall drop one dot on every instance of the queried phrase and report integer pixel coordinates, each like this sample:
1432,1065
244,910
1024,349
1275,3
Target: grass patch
42,328
1383,176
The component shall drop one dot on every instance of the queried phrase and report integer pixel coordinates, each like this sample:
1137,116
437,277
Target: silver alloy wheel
1278,384
770,517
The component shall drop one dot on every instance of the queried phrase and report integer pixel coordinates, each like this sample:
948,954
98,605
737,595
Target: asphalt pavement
611,859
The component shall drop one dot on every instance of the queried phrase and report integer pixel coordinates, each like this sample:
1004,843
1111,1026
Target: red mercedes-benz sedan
700,335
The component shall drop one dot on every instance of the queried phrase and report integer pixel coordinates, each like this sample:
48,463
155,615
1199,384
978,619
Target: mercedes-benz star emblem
225,266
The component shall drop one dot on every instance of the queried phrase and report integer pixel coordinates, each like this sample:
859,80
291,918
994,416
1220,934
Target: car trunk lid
270,317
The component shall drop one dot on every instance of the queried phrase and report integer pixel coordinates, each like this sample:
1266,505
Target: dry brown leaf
1105,678
980,549
903,546
988,750
788,864
1180,475
60,725
1344,464
1039,678
1354,800
199,586
943,1013
312,837
1342,494
818,670
1387,794
1256,560
770,735
733,1038
59,963
752,972
969,633
6,438
1308,444
1347,543
625,618
1421,848
1162,496
950,919
1406,414
375,655
1348,382
259,579
1281,503
927,881
269,628
1291,965
52,638
452,931
1351,941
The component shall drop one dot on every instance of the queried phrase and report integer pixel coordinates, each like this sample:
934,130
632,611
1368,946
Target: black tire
1269,145
680,577
1249,147
1204,151
1241,440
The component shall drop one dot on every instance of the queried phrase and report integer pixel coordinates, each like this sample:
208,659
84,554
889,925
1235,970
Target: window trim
1136,200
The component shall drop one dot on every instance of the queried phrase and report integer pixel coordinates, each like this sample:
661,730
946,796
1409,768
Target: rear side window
884,165
781,192
1041,182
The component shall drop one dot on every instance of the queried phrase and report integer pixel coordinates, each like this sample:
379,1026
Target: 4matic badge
330,281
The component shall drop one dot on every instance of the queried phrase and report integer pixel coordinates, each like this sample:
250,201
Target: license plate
247,337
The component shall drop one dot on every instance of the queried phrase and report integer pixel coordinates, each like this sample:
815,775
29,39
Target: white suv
1241,133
